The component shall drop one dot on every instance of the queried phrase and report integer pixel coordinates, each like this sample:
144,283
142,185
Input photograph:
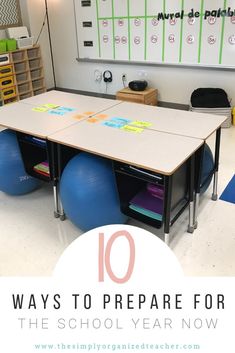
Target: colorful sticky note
92,120
141,123
40,109
119,120
51,106
101,116
65,109
56,112
113,124
88,113
79,117
130,128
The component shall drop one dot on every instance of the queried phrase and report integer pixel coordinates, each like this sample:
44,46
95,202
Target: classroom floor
32,240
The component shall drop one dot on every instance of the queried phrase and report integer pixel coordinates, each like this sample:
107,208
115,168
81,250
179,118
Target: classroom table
29,117
21,116
83,104
172,121
151,150
179,122
169,139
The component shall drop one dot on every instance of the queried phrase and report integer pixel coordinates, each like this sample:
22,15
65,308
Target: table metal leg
217,151
52,148
56,206
167,207
62,213
214,196
198,175
191,193
61,210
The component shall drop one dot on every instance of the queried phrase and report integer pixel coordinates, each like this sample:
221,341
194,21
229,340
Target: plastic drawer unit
4,59
9,92
143,193
6,70
6,82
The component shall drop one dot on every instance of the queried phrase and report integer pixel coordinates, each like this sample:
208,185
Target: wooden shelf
37,78
38,88
22,71
25,92
37,68
18,50
10,100
25,95
20,60
19,83
34,58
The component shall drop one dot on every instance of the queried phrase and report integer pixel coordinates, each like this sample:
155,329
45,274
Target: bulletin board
10,15
184,32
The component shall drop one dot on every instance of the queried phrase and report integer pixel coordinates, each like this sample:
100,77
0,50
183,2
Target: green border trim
163,32
98,27
114,47
222,36
200,32
131,17
181,33
145,29
129,30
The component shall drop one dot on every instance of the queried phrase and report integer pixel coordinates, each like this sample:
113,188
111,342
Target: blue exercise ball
13,178
88,192
207,168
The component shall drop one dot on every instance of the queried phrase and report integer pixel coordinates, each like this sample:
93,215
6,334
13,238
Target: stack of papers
36,140
147,204
42,168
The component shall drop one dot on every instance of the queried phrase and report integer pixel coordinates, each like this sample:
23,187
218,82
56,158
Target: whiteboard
184,32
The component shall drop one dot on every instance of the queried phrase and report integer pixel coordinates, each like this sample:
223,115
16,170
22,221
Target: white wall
175,84
2,34
33,13
24,13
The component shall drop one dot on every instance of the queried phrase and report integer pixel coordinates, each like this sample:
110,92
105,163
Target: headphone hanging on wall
107,76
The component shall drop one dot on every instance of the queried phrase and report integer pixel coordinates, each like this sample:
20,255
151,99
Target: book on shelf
42,168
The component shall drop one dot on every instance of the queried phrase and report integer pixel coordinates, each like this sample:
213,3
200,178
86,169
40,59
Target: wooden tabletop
89,104
172,121
21,116
152,150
